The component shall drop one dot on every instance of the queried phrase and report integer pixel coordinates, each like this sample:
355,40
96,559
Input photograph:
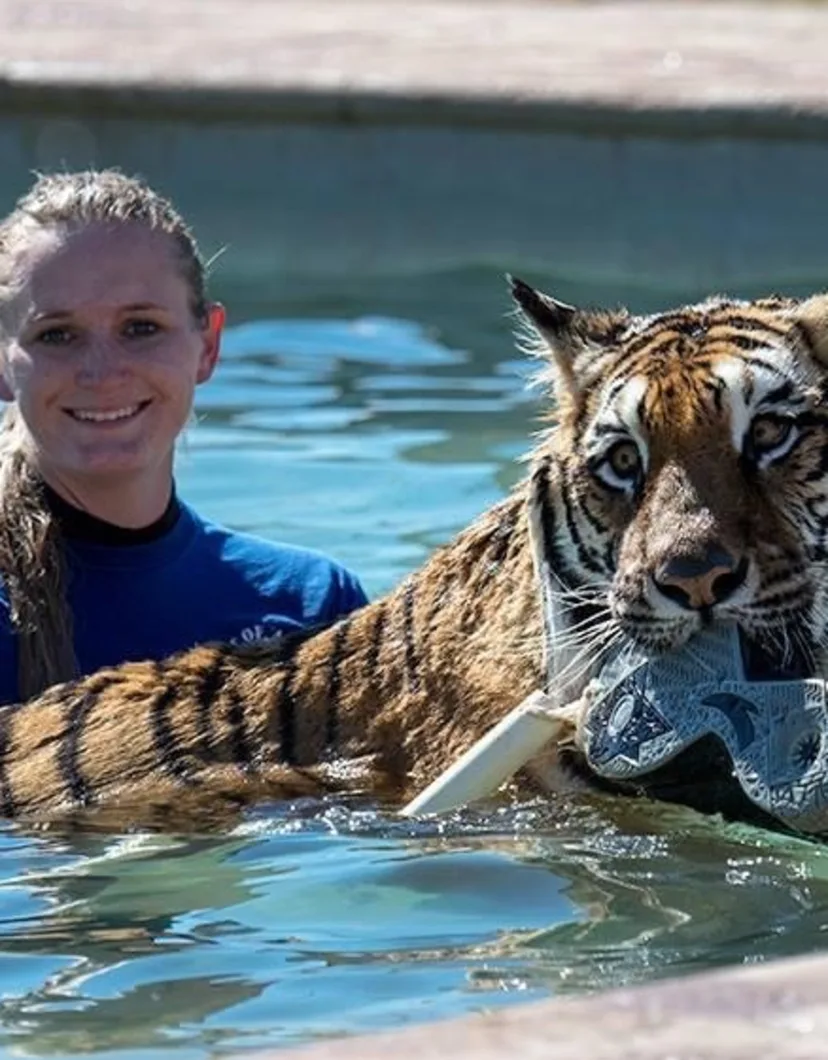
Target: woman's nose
101,360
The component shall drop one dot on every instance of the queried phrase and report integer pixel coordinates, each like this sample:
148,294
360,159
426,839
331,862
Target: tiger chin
681,480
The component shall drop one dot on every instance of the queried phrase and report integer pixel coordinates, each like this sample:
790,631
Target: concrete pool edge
776,1011
297,104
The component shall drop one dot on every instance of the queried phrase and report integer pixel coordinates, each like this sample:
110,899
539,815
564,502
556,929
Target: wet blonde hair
32,560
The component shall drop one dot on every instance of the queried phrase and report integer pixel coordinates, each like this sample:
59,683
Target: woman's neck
78,525
132,504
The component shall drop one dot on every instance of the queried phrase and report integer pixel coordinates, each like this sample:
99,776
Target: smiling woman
105,331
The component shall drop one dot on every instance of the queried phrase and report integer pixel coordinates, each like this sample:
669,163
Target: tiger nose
697,582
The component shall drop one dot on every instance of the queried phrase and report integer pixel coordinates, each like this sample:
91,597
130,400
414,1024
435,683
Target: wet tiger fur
683,479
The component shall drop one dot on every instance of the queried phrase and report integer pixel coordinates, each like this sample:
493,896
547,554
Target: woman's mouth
108,416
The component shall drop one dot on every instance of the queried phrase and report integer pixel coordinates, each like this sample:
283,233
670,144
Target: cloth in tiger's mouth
645,713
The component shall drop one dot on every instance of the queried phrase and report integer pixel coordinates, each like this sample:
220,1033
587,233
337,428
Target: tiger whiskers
787,636
571,678
597,592
805,644
586,624
587,647
586,631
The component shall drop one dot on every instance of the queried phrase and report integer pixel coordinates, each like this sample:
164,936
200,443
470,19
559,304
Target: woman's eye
769,433
141,328
54,336
624,460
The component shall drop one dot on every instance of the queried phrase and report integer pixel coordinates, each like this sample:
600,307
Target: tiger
679,478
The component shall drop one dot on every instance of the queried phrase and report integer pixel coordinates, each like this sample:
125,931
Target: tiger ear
812,320
563,332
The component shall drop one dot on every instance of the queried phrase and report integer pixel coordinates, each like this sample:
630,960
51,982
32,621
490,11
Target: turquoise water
373,423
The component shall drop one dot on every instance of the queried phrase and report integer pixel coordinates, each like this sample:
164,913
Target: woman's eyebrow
137,307
62,314
47,314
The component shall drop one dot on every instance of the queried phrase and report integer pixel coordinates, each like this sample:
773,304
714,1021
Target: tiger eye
768,432
624,459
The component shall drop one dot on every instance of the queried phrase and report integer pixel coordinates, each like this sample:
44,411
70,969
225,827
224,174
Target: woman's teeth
104,417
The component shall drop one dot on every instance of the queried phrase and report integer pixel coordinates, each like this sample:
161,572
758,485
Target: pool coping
260,105
776,1011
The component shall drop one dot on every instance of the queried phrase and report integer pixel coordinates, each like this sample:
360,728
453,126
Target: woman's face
101,351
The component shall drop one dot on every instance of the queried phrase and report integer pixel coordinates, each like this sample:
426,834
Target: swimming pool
371,421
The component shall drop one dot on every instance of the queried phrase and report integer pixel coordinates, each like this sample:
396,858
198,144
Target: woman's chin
124,461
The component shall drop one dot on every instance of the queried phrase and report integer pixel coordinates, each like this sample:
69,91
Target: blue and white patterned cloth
646,711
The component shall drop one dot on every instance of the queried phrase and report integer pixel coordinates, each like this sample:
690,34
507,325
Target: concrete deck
757,57
674,145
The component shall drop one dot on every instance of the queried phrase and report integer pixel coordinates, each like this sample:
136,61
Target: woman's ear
211,339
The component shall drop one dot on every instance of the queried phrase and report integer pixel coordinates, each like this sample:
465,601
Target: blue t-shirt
198,582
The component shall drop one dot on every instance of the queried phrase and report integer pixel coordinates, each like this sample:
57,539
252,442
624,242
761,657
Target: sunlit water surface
372,424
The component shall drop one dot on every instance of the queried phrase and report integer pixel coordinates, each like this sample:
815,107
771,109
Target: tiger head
685,477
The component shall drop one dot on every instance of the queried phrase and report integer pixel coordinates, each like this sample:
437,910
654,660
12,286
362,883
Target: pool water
371,421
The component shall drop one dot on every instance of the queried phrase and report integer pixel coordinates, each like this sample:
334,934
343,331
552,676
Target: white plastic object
494,758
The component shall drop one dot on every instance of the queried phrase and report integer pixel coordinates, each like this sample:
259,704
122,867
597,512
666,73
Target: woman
105,331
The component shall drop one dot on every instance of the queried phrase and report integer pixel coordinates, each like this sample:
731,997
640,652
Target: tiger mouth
772,652
778,633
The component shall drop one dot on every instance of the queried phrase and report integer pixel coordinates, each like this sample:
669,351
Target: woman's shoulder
276,566
248,549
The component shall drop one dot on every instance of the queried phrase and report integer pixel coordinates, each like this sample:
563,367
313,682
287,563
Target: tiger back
681,479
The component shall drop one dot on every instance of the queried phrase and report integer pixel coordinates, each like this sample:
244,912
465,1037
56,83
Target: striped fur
378,702
386,698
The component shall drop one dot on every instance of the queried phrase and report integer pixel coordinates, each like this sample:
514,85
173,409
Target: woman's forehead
60,269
